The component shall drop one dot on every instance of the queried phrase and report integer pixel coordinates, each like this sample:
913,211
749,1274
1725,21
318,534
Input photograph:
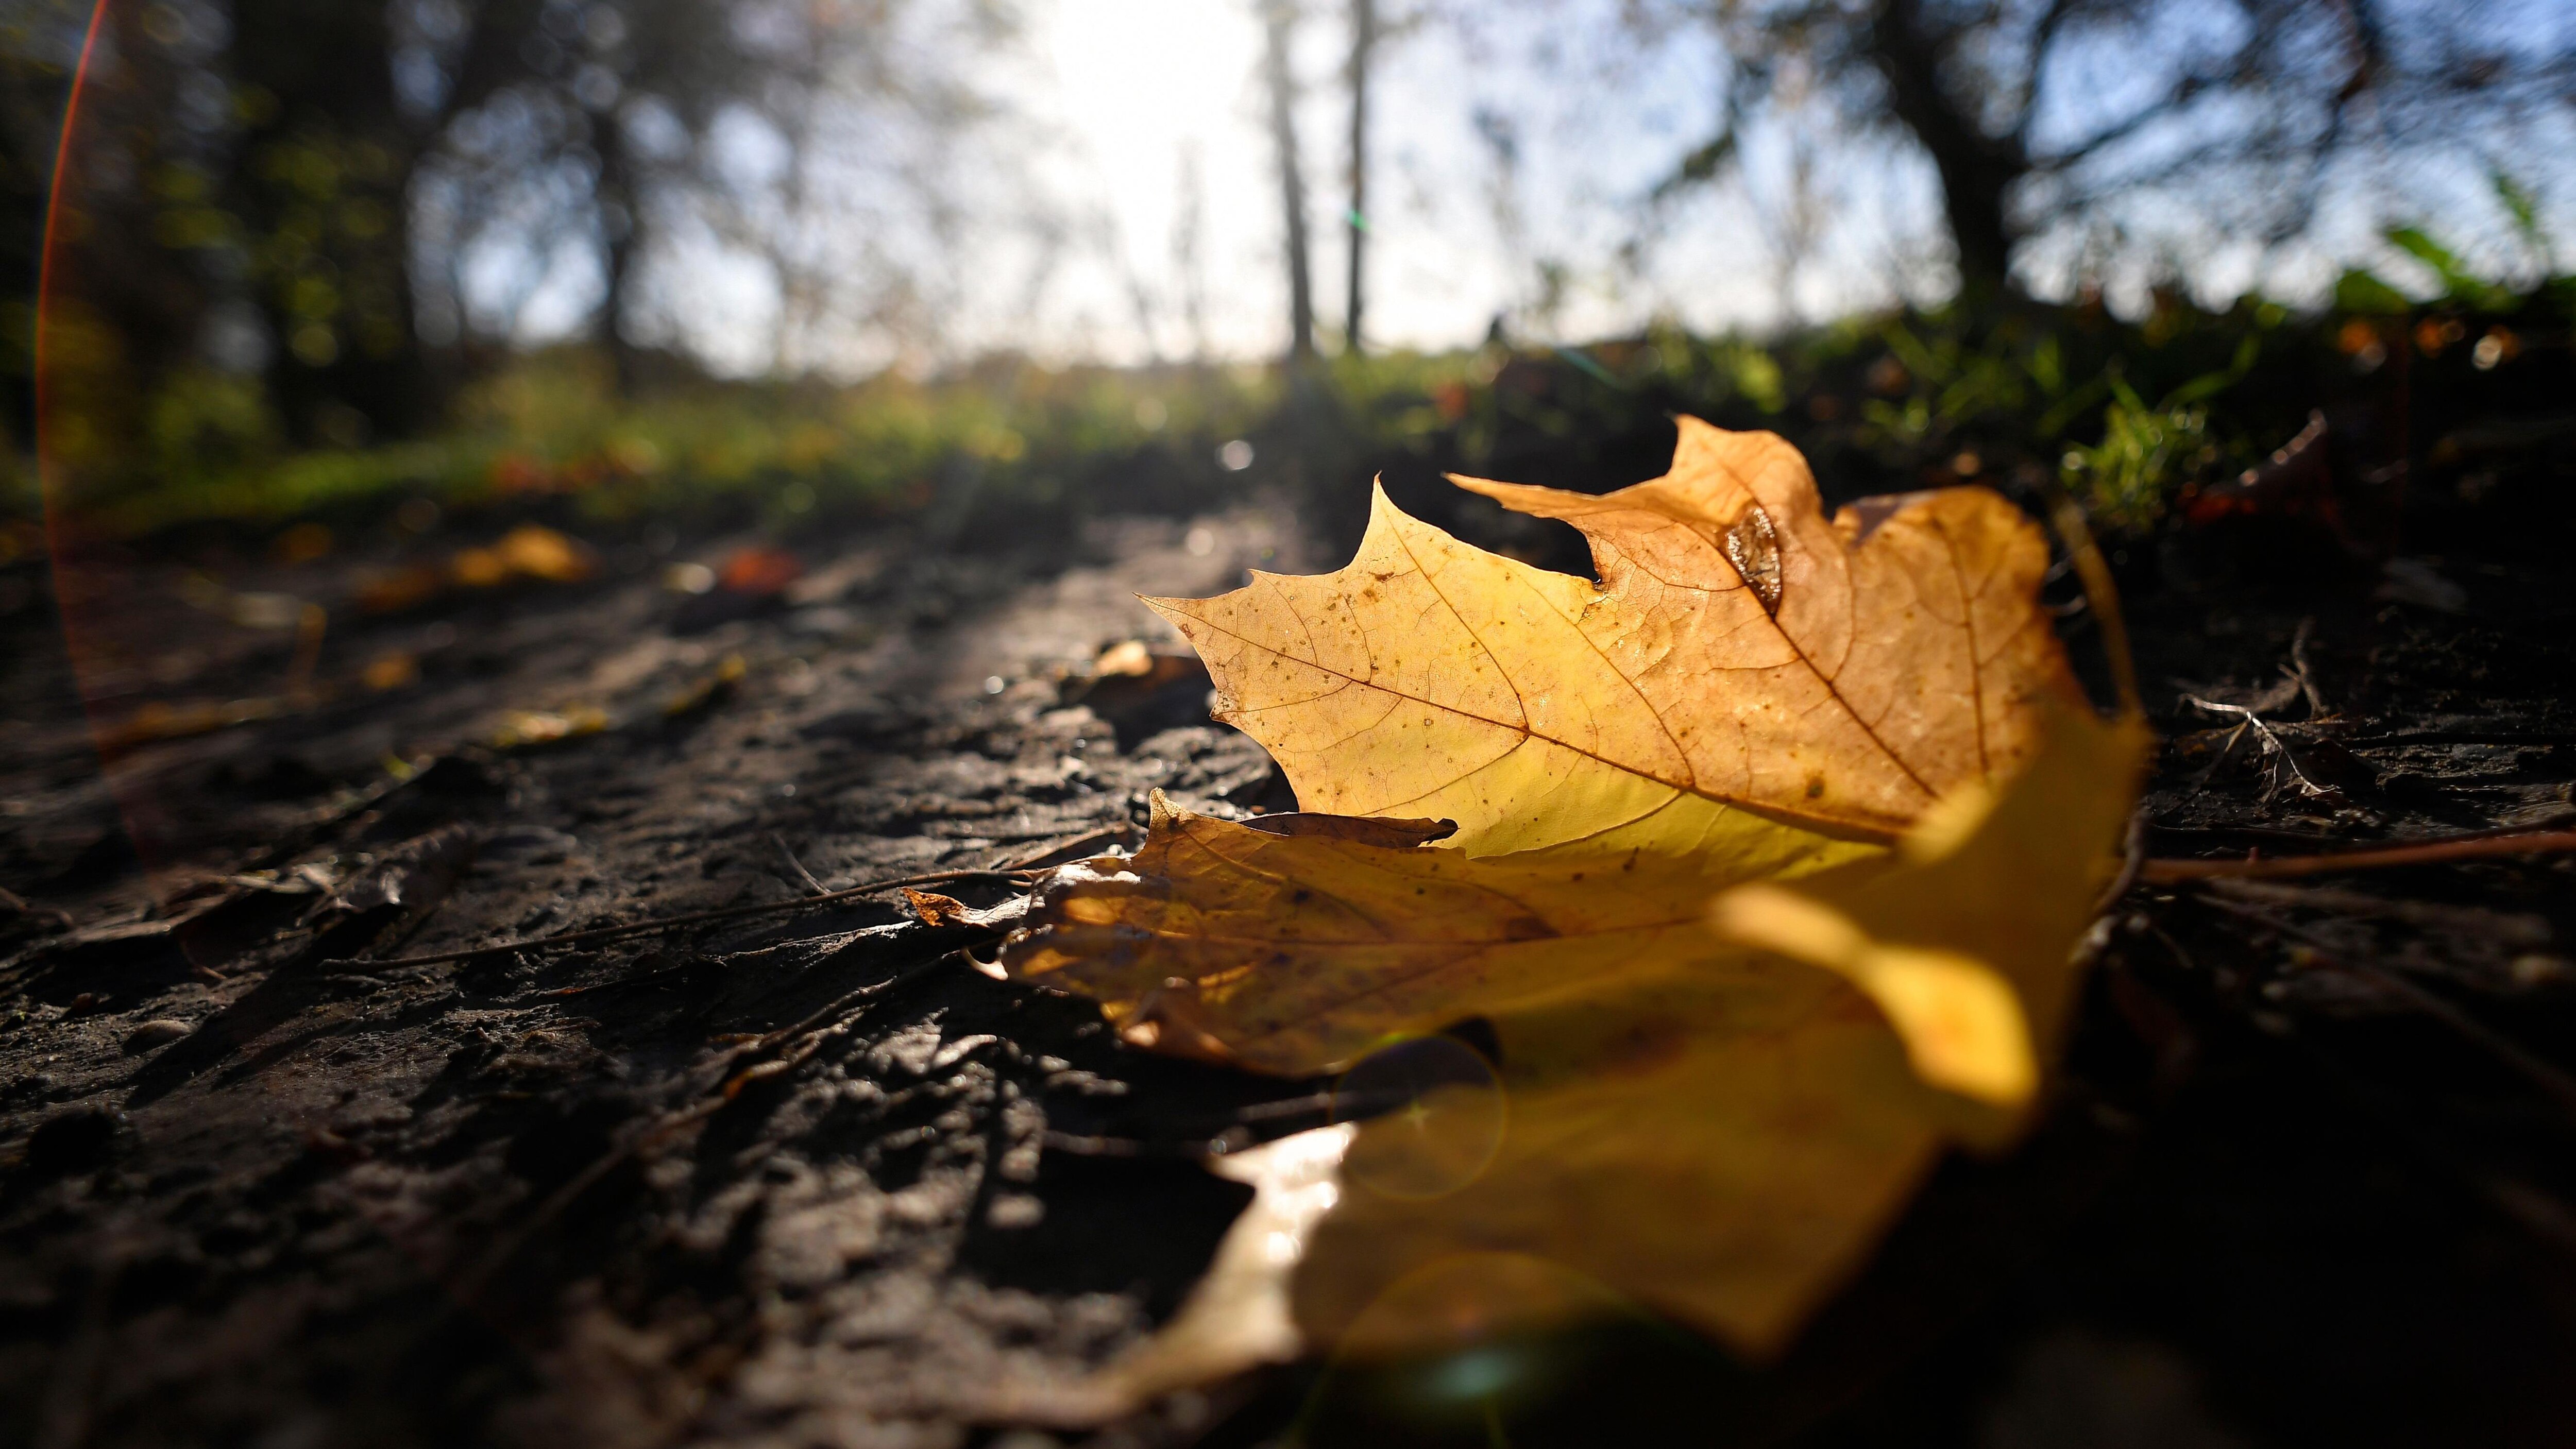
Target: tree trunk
615,198
321,184
1280,16
1977,171
1363,40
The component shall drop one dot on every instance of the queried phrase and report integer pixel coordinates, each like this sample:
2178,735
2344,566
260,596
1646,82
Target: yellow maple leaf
1694,1117
1726,1141
1771,854
1301,952
1743,662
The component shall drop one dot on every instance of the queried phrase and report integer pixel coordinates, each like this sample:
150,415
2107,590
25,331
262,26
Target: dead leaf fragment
392,669
526,728
159,720
935,910
392,591
764,572
1129,656
535,551
1239,1313
708,690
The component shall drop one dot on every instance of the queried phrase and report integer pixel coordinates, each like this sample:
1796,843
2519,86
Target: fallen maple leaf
1675,797
1725,1141
1301,952
1742,662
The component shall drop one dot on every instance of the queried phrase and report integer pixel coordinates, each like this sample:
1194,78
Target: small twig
1017,874
2511,930
829,1010
2374,857
2226,752
10,901
2306,673
2396,739
2133,858
1080,847
695,918
1337,1106
2271,742
796,865
1286,1107
2094,572
1084,1146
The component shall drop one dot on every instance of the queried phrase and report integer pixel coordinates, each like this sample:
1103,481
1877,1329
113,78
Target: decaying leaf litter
887,1295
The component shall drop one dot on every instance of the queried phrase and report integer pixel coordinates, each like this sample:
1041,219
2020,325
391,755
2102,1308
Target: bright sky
1513,142
1137,85
1141,90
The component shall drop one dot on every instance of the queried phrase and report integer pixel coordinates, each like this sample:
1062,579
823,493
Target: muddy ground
809,1178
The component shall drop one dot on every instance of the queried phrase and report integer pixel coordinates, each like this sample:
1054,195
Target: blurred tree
235,202
316,200
632,125
574,117
1356,222
1279,23
2045,113
39,45
298,191
1373,30
131,295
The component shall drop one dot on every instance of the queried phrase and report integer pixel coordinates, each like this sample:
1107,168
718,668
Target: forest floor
807,1177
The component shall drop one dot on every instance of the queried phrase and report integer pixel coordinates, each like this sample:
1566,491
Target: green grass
2125,414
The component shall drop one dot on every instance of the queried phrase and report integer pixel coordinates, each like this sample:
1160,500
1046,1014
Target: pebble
155,1033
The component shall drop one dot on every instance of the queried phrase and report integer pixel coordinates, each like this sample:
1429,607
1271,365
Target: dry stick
798,866
695,918
2511,930
2133,859
2375,857
2094,572
2271,742
2306,673
2226,752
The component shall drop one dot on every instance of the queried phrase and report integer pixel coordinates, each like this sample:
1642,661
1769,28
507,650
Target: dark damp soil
2310,1176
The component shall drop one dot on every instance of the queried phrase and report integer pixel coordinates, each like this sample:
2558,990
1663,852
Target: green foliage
2363,294
2144,456
2459,284
204,421
550,429
2123,414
